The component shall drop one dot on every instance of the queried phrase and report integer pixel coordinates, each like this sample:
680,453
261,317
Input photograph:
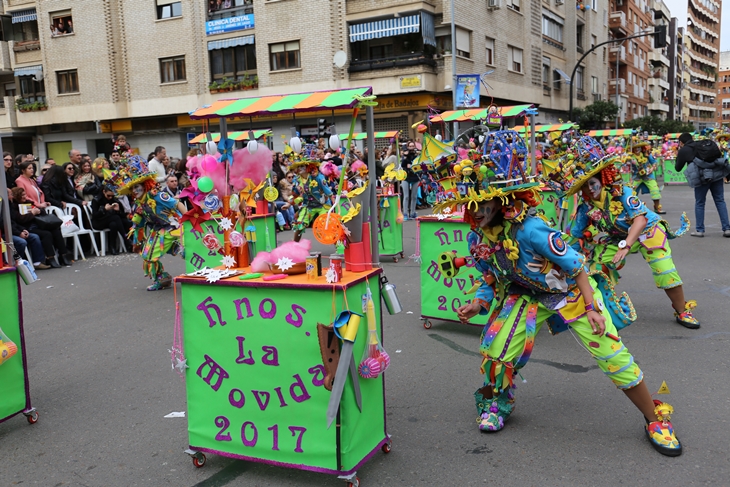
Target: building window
579,78
490,51
221,9
233,62
594,41
61,23
594,84
284,55
513,4
32,90
579,37
168,9
515,56
557,80
546,71
463,43
68,81
552,26
172,69
443,40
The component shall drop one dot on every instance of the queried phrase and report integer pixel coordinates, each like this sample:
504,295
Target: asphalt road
100,377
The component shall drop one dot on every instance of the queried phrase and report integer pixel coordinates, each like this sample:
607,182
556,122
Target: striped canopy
479,113
548,128
655,137
674,135
610,133
276,104
378,135
202,138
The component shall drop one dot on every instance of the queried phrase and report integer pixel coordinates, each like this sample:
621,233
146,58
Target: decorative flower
616,208
595,215
225,223
513,251
213,276
225,149
196,216
193,194
228,261
284,263
331,276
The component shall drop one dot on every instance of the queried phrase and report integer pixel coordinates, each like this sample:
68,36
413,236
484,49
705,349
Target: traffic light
321,128
660,36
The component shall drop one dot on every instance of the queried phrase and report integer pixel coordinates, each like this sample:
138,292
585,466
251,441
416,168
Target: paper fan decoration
271,193
327,228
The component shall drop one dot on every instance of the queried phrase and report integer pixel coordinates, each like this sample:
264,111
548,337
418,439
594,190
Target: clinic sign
231,24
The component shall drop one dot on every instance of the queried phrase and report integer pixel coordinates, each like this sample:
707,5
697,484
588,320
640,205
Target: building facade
722,103
659,64
678,91
72,74
702,58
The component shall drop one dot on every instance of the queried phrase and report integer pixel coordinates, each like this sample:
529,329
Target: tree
596,115
655,125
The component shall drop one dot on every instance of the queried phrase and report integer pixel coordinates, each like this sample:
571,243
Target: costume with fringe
314,194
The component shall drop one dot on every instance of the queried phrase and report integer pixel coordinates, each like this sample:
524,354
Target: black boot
66,259
53,263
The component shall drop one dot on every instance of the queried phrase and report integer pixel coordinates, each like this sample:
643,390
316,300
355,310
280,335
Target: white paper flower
214,276
285,263
441,216
331,275
446,210
181,365
228,261
225,223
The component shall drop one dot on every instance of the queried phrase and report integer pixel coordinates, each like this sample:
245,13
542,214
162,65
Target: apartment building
630,66
702,57
659,64
72,73
678,91
722,103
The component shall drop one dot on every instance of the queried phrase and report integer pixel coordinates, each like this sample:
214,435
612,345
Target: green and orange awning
548,128
202,138
479,113
277,104
378,135
611,133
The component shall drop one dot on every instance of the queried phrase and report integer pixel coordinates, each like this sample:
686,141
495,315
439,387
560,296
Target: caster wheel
386,448
427,325
354,483
402,255
395,259
33,417
198,460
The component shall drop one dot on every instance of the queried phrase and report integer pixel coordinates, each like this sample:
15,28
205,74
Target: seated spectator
285,207
22,240
26,180
51,238
86,183
108,212
57,188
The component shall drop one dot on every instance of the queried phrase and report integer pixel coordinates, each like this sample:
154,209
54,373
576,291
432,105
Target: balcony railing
233,11
416,59
617,22
20,46
581,95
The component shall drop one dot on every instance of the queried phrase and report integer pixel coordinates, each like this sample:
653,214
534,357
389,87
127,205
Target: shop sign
410,82
232,24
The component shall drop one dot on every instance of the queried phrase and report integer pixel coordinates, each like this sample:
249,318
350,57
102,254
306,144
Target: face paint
485,213
594,188
138,190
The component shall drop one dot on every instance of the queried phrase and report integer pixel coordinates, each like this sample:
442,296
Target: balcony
20,3
619,52
659,107
5,63
581,95
617,24
620,82
658,57
25,53
660,80
8,118
415,59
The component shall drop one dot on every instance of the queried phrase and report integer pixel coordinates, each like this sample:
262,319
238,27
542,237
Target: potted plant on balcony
42,106
255,82
22,105
227,85
214,87
246,82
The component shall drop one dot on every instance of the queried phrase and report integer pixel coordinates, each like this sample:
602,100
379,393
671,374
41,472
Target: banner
255,382
671,176
13,384
467,91
231,24
390,232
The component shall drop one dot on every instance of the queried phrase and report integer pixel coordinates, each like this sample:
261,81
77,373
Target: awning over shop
378,135
409,24
202,138
233,42
610,133
26,15
36,71
479,113
549,128
277,104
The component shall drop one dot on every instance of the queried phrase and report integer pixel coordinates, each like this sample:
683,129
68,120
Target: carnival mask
138,190
594,188
485,213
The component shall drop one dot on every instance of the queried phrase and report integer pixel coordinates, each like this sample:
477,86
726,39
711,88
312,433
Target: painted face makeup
594,188
485,213
137,190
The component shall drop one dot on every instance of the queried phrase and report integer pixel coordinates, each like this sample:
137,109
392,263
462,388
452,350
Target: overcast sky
678,8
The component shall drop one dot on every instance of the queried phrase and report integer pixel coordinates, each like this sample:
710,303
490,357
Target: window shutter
462,40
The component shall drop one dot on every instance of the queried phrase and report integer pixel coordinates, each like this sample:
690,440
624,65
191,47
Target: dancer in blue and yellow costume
531,276
155,219
643,167
313,194
615,223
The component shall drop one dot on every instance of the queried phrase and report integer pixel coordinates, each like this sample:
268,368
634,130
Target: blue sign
467,91
231,24
190,137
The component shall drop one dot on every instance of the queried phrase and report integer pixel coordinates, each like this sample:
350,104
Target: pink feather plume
296,251
254,166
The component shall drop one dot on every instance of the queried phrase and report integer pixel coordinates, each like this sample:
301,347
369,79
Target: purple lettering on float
258,395
271,356
298,383
443,236
223,423
301,430
318,374
282,403
214,371
238,303
204,307
242,354
236,403
251,442
298,311
275,433
267,315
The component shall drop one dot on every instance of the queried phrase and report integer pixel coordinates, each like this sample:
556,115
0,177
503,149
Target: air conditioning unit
493,4
596,97
559,2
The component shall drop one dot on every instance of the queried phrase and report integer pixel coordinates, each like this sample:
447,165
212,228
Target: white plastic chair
103,233
70,207
77,244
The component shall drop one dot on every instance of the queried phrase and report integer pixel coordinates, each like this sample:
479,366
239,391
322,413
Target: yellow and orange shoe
685,318
661,433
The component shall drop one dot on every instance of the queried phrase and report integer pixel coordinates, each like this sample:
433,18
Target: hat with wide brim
583,178
303,162
643,143
473,197
127,188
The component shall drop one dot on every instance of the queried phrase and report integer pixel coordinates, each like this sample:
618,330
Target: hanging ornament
211,242
438,136
225,224
252,145
296,144
211,147
205,184
334,140
270,194
236,239
211,203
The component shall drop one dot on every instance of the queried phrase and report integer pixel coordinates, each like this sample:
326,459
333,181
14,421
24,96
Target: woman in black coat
50,238
57,188
107,212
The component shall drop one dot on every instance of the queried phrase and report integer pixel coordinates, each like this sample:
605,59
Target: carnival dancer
530,276
617,223
155,219
312,193
643,165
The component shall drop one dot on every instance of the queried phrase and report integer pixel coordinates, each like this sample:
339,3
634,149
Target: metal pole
533,149
374,249
618,54
453,67
7,231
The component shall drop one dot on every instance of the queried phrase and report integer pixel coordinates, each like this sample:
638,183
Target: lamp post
453,66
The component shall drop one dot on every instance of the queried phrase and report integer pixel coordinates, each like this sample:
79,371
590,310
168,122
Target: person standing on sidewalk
703,176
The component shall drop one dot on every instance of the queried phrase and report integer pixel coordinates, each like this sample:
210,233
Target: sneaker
661,433
41,266
697,234
726,233
685,318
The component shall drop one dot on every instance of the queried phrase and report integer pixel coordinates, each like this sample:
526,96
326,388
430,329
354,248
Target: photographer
704,175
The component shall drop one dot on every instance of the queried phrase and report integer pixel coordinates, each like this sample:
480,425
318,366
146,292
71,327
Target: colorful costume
530,277
313,196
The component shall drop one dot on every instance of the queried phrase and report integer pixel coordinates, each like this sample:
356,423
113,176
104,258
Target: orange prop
327,228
